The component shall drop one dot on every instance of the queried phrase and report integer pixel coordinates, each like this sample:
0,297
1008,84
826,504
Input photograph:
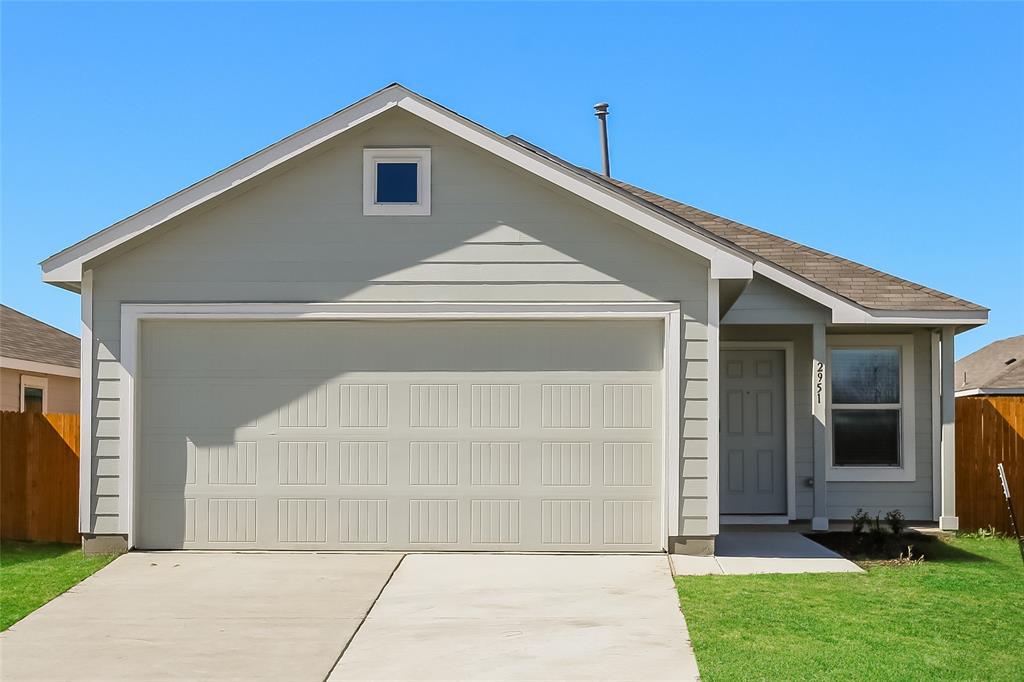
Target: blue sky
892,134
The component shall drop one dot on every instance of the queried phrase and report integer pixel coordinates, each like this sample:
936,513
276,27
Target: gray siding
914,498
496,234
765,302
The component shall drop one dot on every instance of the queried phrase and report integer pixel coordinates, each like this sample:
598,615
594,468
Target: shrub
860,520
897,522
875,531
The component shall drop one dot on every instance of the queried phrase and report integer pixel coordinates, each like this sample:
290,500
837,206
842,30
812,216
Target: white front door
493,435
753,432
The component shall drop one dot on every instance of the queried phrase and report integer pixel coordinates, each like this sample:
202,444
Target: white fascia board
66,266
845,311
725,263
988,391
39,367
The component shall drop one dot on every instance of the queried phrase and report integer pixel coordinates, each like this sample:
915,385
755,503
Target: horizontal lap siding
913,498
496,234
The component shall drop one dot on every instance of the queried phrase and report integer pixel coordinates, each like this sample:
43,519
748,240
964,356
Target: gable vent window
396,182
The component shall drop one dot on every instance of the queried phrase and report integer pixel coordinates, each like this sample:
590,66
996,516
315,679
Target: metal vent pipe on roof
601,111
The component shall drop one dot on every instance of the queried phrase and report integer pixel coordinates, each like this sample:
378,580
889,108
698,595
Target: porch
779,464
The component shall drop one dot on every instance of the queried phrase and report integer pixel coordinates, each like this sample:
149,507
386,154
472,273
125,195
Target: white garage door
503,435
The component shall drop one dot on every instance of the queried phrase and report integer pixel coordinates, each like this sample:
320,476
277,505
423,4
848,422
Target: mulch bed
871,547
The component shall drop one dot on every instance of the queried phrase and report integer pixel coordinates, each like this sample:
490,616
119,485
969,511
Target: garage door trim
132,314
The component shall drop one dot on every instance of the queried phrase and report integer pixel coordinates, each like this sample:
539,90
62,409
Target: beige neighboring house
39,365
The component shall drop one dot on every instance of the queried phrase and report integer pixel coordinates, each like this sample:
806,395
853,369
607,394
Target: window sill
396,209
870,474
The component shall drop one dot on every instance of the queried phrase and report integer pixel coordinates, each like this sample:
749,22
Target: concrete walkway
746,553
200,616
523,617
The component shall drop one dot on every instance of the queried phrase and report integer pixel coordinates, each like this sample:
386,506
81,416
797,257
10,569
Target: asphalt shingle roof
1000,364
861,284
865,286
26,338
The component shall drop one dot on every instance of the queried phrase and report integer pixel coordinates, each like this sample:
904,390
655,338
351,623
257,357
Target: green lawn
32,574
959,615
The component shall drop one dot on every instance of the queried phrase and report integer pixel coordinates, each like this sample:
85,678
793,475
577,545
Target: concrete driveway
200,616
523,617
292,616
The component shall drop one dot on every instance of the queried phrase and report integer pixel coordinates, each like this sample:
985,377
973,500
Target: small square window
396,182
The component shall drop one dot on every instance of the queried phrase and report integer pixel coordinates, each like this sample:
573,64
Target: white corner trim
907,471
34,367
85,403
132,314
373,156
670,446
935,392
33,381
787,347
66,266
714,388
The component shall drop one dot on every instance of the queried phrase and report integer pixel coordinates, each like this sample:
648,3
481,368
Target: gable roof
65,267
860,284
854,293
26,338
996,368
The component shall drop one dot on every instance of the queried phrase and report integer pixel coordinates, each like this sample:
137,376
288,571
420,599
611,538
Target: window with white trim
396,182
871,411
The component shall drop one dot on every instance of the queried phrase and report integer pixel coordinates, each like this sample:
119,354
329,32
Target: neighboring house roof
996,368
854,292
26,339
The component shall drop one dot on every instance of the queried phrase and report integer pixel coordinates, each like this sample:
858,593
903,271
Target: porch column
818,359
948,519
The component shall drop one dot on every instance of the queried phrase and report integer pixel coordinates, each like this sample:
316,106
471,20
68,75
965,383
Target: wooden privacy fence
39,477
989,430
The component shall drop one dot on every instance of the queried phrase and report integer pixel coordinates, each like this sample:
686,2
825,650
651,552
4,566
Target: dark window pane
865,375
396,183
33,399
866,437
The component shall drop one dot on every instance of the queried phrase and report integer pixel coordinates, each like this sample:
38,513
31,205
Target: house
990,431
996,369
38,365
398,329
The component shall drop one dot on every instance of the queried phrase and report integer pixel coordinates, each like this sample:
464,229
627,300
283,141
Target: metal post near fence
1009,507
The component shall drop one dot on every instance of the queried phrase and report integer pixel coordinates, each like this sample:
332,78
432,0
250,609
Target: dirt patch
869,547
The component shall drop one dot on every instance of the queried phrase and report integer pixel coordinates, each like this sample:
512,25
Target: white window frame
374,156
907,470
29,381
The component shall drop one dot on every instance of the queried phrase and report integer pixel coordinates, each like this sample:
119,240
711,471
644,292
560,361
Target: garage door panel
356,458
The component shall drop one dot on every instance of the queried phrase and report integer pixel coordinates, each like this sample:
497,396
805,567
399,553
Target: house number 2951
819,376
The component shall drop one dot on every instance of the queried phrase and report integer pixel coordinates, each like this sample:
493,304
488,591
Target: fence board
39,477
989,430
